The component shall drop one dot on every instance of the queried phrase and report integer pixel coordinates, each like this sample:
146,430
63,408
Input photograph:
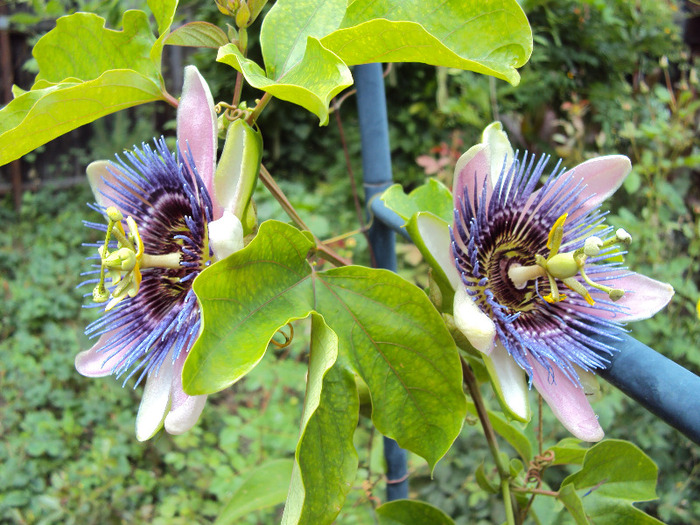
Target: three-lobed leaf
388,332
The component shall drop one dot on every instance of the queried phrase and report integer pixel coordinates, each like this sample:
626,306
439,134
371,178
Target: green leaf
86,71
288,25
568,451
36,117
411,512
572,502
433,197
245,299
508,430
490,36
326,457
615,474
483,481
388,332
262,487
81,47
198,34
311,83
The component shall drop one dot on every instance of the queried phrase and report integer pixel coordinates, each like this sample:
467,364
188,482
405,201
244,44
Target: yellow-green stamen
125,263
566,266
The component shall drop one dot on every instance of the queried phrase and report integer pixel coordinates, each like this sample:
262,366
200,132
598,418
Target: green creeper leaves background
380,326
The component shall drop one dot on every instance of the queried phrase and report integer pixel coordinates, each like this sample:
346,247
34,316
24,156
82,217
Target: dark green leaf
411,512
263,487
615,474
326,457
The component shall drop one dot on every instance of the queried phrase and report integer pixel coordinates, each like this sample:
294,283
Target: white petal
155,401
509,382
435,236
225,235
500,150
472,322
179,420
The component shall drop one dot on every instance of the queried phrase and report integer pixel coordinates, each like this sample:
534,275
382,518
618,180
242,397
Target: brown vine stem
324,251
526,490
504,473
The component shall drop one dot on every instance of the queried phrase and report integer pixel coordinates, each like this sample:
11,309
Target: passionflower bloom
164,225
538,279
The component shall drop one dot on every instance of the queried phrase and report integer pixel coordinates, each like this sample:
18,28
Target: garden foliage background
605,77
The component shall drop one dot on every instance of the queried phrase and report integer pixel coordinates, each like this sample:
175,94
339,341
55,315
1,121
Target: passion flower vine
169,215
538,278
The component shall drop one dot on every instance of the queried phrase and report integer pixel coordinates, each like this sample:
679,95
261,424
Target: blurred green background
605,77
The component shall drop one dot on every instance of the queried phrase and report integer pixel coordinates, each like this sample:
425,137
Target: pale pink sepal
197,126
509,382
476,326
568,402
91,363
184,409
101,173
155,401
472,171
601,177
643,297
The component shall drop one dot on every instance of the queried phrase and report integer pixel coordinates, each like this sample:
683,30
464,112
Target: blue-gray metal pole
657,383
376,176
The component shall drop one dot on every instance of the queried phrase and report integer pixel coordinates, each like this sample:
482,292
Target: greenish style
263,487
74,88
614,474
326,460
198,34
388,333
411,512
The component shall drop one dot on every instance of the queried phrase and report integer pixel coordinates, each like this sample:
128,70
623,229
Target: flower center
566,266
124,264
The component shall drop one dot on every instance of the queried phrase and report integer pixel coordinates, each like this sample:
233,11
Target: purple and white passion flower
536,273
169,216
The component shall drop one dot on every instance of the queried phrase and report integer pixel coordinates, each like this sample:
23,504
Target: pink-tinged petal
471,171
184,409
476,326
101,175
91,363
568,402
643,297
197,126
509,382
155,401
601,177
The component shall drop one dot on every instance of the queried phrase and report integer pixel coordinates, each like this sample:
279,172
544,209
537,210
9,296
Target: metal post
376,169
